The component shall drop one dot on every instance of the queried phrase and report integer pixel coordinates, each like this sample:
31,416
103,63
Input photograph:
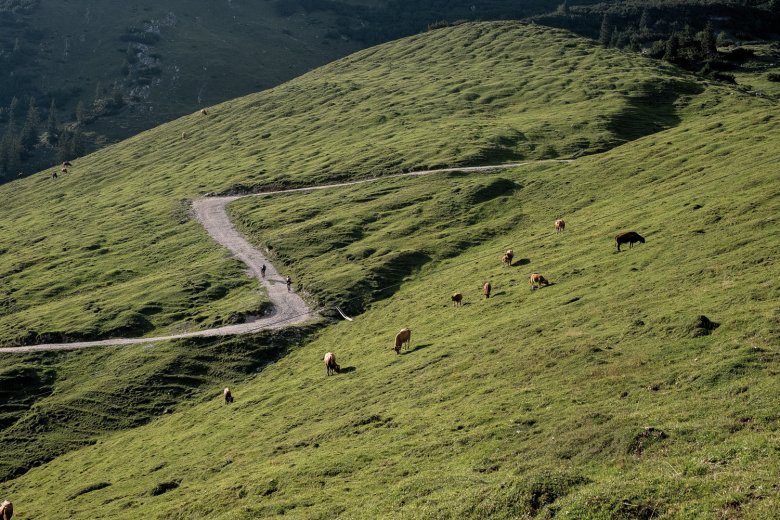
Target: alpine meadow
639,383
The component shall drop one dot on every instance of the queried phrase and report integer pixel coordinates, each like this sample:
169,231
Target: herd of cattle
403,339
63,170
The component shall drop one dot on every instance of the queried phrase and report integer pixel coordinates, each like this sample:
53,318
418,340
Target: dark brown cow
537,280
67,164
630,238
560,225
6,510
331,367
404,337
228,396
486,288
457,299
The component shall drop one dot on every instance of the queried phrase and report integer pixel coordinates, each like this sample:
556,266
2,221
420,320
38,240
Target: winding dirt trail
288,307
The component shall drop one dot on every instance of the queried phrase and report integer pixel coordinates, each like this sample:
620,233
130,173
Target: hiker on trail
289,283
262,271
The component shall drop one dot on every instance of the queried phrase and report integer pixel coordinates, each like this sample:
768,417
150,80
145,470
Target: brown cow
66,164
457,299
538,280
486,289
6,510
228,396
404,337
630,238
203,112
560,225
331,367
63,170
507,258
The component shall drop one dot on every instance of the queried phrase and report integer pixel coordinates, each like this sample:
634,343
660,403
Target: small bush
164,487
524,496
90,488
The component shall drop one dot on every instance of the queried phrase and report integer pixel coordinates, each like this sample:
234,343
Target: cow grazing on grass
228,396
537,280
331,367
63,170
6,510
67,164
486,288
203,112
507,258
630,238
404,337
560,225
457,299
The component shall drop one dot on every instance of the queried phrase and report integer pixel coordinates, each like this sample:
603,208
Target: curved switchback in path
288,307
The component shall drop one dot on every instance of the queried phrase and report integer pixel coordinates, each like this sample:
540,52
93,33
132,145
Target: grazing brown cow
507,258
457,299
228,396
538,280
560,225
203,112
630,238
403,338
6,510
63,170
66,164
331,367
486,288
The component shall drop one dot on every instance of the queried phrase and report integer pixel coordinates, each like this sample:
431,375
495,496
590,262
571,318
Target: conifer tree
672,53
51,124
605,34
29,136
81,112
708,42
644,21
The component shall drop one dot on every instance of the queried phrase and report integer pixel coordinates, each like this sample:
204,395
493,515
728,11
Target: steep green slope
603,395
109,248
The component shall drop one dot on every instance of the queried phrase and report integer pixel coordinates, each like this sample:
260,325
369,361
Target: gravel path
288,307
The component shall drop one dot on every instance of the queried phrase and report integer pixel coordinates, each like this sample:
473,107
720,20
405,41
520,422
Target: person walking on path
289,284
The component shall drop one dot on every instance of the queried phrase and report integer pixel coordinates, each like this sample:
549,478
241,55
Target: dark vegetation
703,37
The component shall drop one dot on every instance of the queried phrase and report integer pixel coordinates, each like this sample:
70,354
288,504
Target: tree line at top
32,140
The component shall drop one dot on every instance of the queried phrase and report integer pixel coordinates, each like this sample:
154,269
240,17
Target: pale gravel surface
288,307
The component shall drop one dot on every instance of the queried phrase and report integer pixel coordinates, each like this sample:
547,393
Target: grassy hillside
109,249
601,396
604,395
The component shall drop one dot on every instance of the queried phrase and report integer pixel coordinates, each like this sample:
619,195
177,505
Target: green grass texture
110,249
603,395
